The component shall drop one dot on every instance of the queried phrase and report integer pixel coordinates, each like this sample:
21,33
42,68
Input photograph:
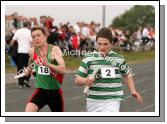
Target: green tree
139,15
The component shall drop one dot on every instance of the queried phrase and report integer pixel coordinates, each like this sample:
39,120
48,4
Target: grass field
135,57
73,62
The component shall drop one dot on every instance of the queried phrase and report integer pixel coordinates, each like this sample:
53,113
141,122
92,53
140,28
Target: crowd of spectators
80,36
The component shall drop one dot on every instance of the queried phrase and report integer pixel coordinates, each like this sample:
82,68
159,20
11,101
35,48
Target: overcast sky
71,13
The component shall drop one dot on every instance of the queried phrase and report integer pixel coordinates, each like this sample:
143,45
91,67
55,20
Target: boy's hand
137,96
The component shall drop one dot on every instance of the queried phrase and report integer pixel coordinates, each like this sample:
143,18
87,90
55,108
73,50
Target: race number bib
43,70
108,72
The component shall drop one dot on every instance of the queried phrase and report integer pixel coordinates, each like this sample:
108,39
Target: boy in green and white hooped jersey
106,91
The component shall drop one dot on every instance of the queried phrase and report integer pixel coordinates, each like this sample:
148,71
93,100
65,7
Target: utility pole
103,15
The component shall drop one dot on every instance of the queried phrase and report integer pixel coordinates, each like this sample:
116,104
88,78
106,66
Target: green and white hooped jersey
107,84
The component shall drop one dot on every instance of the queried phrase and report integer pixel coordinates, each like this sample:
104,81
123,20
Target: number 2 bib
108,72
43,70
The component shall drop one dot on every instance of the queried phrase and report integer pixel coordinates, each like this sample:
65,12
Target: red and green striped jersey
45,77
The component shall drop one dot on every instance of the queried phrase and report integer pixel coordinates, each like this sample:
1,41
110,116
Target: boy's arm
129,81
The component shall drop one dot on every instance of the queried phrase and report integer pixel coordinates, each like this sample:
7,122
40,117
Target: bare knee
31,107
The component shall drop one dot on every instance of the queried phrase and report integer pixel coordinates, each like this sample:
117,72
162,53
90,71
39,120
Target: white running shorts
103,106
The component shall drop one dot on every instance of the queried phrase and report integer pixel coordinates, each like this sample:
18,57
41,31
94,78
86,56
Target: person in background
23,38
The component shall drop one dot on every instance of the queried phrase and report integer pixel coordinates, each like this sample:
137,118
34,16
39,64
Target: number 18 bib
43,70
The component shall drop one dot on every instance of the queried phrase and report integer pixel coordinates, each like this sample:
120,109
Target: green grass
135,57
72,63
8,68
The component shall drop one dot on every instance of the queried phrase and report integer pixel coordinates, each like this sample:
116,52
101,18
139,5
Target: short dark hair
104,33
26,24
39,28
